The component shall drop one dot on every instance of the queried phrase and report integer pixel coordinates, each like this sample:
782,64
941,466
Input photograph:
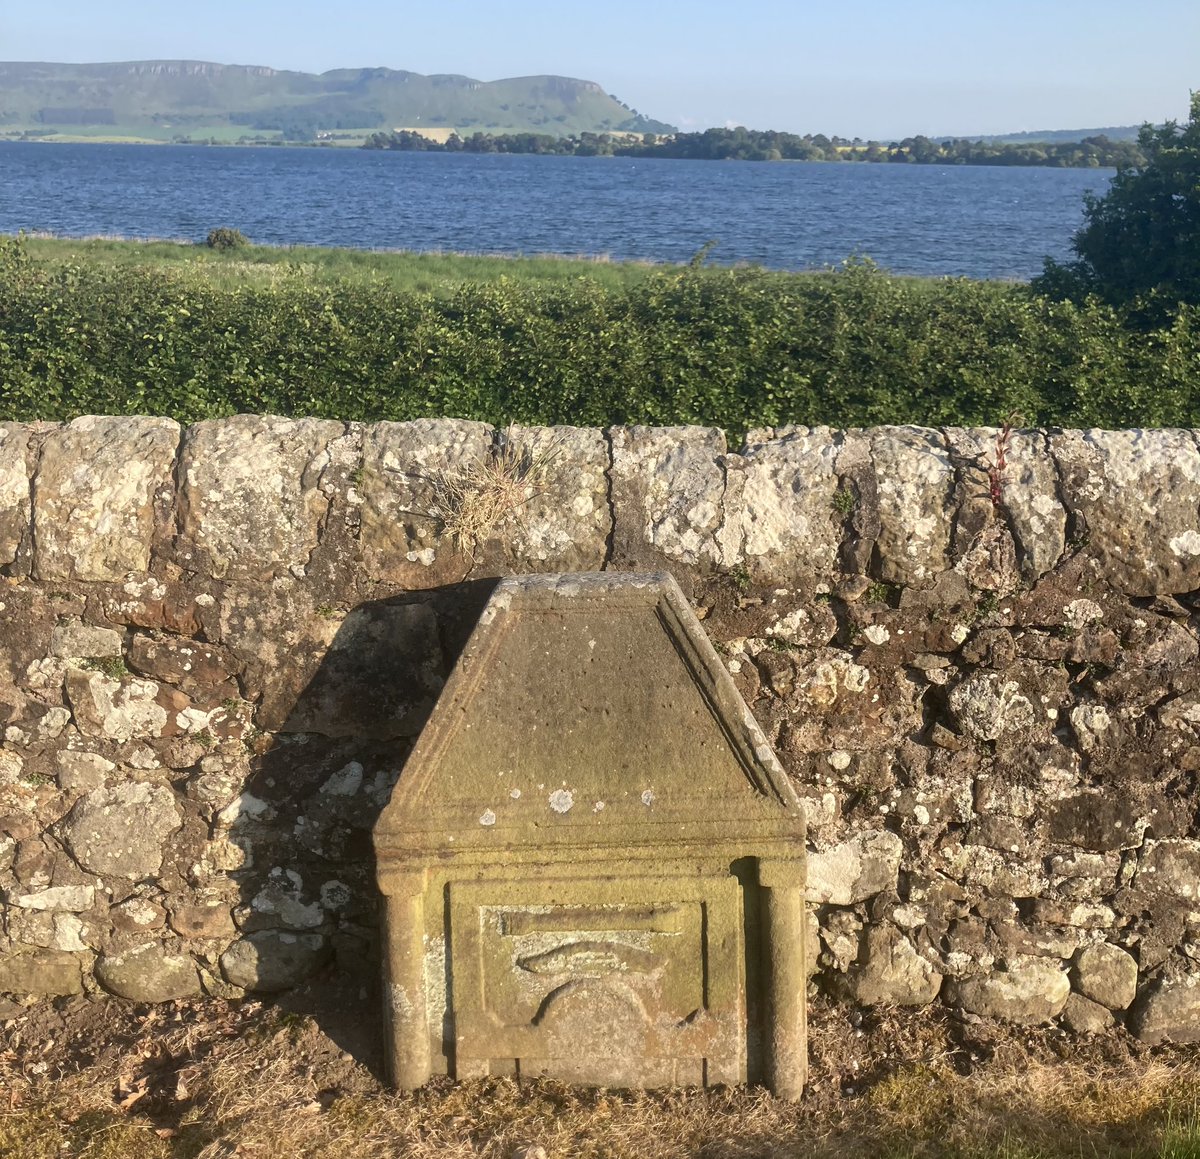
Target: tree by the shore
1140,242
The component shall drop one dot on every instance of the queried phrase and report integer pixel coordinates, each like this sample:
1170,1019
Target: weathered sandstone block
1027,991
42,973
1170,866
1084,1016
1169,1008
1106,974
599,966
890,971
148,973
273,960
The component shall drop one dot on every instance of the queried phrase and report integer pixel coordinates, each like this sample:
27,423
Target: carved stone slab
593,864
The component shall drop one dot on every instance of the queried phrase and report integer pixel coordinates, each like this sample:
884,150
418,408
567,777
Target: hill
165,100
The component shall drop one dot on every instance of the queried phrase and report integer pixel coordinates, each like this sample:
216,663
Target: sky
867,68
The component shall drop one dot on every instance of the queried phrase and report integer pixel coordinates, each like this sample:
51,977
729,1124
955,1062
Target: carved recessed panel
584,980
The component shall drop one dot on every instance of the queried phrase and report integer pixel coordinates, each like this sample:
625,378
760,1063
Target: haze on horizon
867,68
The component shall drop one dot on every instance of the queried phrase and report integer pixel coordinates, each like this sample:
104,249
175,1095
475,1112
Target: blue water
976,221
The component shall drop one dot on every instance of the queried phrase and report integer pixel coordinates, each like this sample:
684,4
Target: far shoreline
335,146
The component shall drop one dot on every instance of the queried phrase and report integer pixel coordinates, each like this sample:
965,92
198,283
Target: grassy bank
105,327
263,266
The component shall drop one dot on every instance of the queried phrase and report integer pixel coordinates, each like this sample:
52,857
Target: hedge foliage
736,348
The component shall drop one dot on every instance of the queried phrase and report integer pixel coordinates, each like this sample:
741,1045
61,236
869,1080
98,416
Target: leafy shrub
731,348
1140,242
224,238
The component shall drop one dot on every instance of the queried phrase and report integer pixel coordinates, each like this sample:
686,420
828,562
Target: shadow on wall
308,912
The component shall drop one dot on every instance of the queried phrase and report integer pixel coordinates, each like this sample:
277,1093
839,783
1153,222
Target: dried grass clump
472,502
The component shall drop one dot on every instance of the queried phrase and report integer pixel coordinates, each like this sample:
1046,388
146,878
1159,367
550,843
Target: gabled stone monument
593,864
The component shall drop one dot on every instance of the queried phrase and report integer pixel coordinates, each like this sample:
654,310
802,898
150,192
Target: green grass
265,266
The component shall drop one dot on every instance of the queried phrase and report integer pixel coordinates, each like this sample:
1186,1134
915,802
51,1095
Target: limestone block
102,486
1084,1016
409,480
1029,491
148,973
668,495
14,490
1028,991
1106,974
1170,866
75,640
788,524
855,870
1169,1009
564,521
44,973
115,709
988,705
75,898
121,831
1138,492
251,503
81,772
1097,821
914,480
271,960
890,971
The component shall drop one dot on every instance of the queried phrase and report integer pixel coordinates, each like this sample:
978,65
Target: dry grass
211,1081
472,502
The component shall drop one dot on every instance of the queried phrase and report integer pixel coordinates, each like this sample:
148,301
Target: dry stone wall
218,643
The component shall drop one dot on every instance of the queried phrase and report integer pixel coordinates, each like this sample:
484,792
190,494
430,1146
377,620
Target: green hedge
733,348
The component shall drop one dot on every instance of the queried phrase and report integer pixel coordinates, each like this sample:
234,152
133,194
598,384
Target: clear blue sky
871,68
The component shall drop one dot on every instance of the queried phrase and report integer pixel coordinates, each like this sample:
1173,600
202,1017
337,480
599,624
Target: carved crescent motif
592,958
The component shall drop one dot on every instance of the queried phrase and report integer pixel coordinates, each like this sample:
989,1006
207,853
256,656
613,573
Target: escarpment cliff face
192,96
218,643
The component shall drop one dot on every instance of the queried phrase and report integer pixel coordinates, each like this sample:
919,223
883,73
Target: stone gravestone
593,864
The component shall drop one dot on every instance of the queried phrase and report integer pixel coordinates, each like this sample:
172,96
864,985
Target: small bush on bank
736,349
224,238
